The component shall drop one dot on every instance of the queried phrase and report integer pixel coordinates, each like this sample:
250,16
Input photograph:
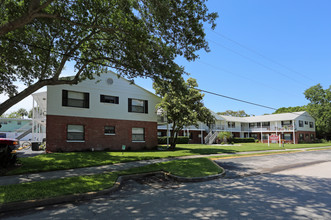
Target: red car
12,143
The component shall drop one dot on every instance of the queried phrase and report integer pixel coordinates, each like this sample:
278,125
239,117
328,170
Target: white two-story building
101,114
293,127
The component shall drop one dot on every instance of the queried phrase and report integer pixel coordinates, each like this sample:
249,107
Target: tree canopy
182,105
291,109
319,107
239,113
133,37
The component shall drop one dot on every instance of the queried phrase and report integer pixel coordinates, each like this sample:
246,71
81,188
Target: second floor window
109,99
266,123
300,123
231,124
286,123
138,106
311,124
75,99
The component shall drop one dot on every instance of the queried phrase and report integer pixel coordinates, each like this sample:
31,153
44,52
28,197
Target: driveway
288,188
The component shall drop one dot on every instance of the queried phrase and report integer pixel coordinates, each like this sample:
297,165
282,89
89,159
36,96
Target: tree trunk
31,89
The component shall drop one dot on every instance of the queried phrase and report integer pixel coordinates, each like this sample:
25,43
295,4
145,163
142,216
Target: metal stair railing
24,134
213,138
206,139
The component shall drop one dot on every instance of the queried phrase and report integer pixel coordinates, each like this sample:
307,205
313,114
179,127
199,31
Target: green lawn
61,161
198,167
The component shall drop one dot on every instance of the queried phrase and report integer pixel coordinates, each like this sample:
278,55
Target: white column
167,134
276,126
261,133
33,119
293,131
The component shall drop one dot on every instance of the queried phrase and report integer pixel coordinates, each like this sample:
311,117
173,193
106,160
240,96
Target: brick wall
56,134
306,135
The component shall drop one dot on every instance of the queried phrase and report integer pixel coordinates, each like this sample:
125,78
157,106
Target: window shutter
117,101
146,106
64,97
86,100
130,105
102,98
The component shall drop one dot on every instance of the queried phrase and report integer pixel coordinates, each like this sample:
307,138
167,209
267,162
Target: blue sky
250,41
267,52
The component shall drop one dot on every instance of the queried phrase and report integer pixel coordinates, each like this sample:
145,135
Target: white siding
99,86
305,117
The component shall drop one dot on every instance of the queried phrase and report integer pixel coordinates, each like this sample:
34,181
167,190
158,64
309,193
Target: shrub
243,140
7,159
225,136
180,140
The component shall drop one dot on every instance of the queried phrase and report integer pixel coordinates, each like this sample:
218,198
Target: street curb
13,206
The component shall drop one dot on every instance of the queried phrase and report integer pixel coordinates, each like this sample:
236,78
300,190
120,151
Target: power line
256,62
261,55
239,100
247,78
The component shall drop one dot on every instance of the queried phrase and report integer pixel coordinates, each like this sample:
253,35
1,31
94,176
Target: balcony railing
268,128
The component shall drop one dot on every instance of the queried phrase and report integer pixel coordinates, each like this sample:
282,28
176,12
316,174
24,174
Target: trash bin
35,146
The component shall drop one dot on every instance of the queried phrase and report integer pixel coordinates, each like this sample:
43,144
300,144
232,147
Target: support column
293,131
261,133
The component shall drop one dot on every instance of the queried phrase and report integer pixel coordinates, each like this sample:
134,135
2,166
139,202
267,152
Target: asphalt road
289,186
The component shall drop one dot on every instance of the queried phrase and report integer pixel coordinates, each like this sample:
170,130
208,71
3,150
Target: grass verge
63,161
198,167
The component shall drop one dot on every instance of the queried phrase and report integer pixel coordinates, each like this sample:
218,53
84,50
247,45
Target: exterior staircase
211,137
24,134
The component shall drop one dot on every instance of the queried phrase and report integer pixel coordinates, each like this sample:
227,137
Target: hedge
180,140
243,140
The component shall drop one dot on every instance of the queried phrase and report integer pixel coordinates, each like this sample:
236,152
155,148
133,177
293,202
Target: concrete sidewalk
16,179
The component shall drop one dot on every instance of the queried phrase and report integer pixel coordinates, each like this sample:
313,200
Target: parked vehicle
13,144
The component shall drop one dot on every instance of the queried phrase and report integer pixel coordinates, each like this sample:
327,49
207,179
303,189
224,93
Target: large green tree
133,37
320,108
182,105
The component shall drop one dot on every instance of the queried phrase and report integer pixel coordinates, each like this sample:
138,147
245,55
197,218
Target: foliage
182,105
180,140
320,108
225,137
239,113
7,159
198,167
133,37
243,140
20,113
291,109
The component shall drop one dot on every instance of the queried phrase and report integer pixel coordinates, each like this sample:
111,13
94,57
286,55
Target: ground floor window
265,136
138,134
300,137
312,137
75,133
253,136
288,137
307,137
109,130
